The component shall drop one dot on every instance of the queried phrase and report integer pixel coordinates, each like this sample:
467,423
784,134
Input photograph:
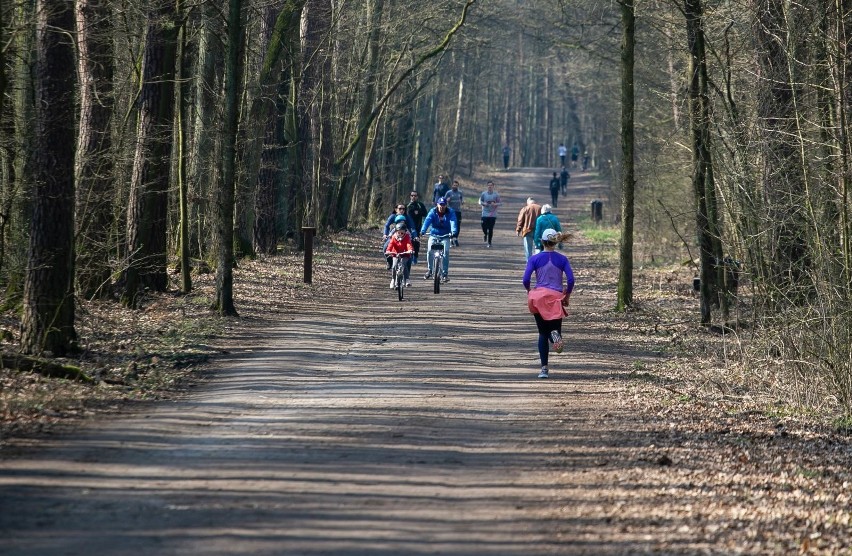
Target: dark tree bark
225,199
148,204
48,319
628,182
707,226
269,177
5,153
94,169
17,207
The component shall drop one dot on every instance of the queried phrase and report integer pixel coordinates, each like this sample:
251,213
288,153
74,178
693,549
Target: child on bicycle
401,248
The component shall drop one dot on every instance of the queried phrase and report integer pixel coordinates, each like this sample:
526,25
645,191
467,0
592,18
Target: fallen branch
25,363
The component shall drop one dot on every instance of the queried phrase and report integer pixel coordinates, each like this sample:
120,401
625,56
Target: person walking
507,151
455,200
416,210
527,218
575,153
562,151
489,201
546,220
439,189
555,186
564,176
548,300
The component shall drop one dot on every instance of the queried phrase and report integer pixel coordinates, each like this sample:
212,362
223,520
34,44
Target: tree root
25,363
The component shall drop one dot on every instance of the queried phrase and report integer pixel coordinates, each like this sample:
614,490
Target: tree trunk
48,317
457,122
94,167
225,199
148,204
625,266
6,188
183,191
19,201
700,155
203,168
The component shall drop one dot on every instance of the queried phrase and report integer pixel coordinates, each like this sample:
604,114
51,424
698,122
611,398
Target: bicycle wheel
400,283
438,265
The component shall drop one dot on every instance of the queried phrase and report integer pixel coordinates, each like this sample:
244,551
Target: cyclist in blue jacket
442,221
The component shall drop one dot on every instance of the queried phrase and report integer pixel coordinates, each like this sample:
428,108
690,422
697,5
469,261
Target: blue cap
399,218
442,201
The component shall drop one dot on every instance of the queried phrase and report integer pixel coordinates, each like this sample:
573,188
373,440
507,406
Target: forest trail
372,427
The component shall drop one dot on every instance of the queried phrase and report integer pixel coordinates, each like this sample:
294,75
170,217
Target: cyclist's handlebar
395,255
442,236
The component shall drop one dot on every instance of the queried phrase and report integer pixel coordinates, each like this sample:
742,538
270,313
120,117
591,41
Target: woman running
548,301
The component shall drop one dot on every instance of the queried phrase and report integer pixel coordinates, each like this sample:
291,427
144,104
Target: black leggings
488,227
545,327
554,196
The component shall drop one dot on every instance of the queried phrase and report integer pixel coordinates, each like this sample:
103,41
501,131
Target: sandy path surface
371,427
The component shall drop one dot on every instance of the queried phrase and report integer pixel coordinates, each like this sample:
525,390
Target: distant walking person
416,210
527,218
575,153
562,151
548,301
506,153
564,176
555,184
455,200
489,201
439,189
586,161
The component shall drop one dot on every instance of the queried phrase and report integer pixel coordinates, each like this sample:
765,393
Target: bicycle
437,248
398,273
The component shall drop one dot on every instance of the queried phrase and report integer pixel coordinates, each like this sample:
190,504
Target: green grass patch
601,235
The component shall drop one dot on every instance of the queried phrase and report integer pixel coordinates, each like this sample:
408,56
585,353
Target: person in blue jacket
398,215
546,220
442,221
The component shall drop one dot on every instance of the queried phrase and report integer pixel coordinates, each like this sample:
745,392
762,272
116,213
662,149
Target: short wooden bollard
308,233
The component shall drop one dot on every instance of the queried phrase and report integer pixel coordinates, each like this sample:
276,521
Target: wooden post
308,233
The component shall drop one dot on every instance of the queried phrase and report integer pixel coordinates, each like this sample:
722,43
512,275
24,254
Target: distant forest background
138,137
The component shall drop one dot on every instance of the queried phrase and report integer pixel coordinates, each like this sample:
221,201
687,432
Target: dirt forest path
375,427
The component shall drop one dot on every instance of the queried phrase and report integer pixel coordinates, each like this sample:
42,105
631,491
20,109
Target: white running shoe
543,373
558,343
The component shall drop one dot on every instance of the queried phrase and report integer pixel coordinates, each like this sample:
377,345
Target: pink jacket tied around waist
547,303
